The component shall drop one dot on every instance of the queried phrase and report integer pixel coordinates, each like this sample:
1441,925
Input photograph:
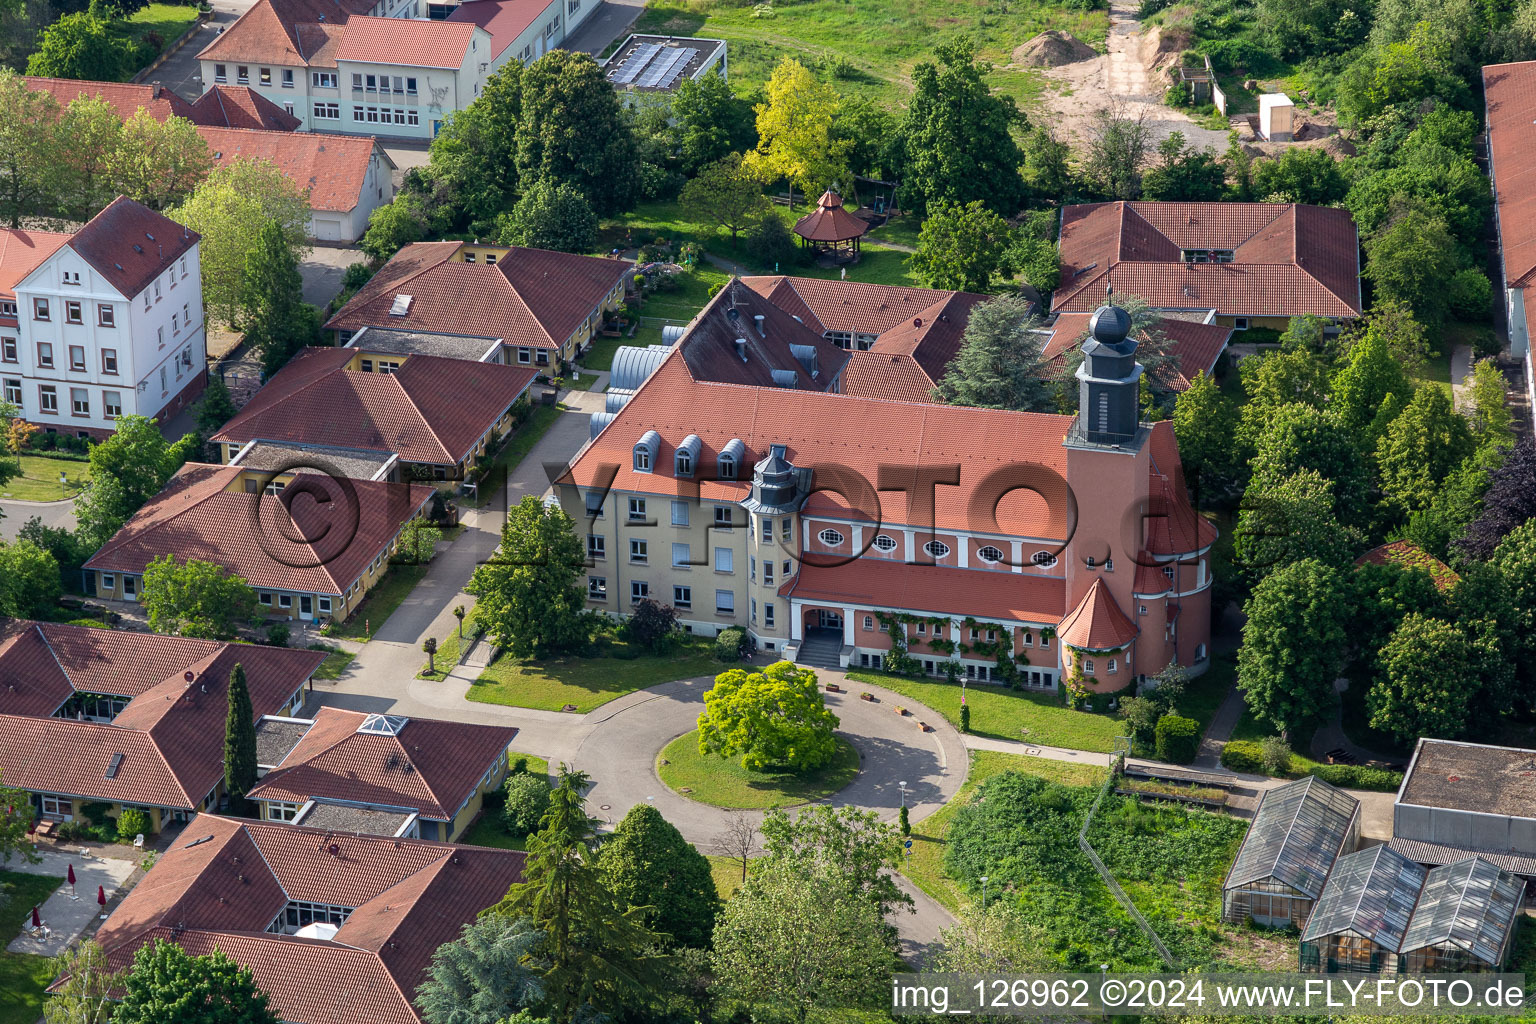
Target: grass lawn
902,230
1437,369
23,976
446,659
39,479
168,21
723,782
727,875
1006,714
925,866
585,681
381,602
518,445
487,829
335,662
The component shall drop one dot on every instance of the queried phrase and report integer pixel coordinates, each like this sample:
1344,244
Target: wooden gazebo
830,229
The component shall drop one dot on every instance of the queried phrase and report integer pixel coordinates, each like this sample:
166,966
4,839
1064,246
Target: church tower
1109,379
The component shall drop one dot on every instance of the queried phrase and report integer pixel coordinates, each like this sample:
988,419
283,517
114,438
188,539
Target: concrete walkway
64,917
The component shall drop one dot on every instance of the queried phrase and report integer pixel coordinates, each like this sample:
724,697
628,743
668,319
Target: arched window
936,548
642,458
727,467
990,554
1044,559
831,538
885,543
684,464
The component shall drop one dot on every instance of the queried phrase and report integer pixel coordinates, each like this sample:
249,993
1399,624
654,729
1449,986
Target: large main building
748,493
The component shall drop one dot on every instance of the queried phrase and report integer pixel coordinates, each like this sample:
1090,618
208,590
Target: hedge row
1248,756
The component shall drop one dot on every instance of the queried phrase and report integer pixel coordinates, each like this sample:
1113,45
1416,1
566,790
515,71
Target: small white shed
1276,117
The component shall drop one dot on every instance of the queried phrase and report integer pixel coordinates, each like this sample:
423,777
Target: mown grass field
723,782
39,479
586,681
23,976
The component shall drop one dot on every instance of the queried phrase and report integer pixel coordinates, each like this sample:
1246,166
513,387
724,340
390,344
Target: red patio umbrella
71,874
101,896
37,919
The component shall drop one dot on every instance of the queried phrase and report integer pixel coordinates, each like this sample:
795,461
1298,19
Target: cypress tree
239,742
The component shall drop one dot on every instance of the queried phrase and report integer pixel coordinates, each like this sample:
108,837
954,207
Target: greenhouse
1362,917
1300,829
1465,919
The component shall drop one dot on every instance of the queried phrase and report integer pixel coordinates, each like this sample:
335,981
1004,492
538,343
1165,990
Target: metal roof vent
741,348
758,318
401,305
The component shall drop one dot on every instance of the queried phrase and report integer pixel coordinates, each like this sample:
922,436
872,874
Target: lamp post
903,787
983,894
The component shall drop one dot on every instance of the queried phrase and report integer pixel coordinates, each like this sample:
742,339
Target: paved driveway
611,21
52,513
182,74
322,267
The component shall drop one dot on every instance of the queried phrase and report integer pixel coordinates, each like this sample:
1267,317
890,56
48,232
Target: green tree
195,598
596,956
1001,939
1117,153
727,194
472,164
31,153
962,247
1409,259
1420,449
231,209
1275,380
1456,503
959,136
1184,174
127,469
85,994
850,846
1047,167
710,122
277,320
1290,520
161,163
1428,683
1293,644
573,129
239,740
83,46
999,365
774,717
1381,595
795,140
527,798
484,975
873,133
29,580
217,407
166,985
531,599
550,215
1039,260
1370,378
1509,501
1490,418
1307,28
392,227
796,944
647,864
16,825
1405,73
1433,178
1515,561
95,131
1300,175
1300,437
1205,423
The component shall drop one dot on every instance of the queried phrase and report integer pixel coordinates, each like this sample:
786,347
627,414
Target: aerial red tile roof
23,251
284,32
317,537
1097,623
853,306
240,106
1288,259
432,411
1170,523
412,42
932,589
895,378
128,244
432,766
1196,346
829,222
170,734
224,881
125,97
531,297
1410,556
728,343
505,20
333,169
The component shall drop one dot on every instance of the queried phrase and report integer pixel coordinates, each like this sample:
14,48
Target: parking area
322,267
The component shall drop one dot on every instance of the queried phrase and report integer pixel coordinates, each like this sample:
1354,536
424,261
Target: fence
1217,96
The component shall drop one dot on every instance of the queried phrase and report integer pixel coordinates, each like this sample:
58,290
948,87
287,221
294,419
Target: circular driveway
624,737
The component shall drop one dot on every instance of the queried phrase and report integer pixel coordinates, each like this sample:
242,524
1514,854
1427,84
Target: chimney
741,348
758,319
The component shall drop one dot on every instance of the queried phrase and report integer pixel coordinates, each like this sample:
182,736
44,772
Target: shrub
95,812
277,634
527,799
132,822
1243,756
1357,776
1471,294
653,626
769,242
1178,739
356,275
731,644
965,718
1276,755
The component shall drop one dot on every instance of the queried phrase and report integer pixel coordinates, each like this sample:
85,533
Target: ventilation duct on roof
741,348
598,421
672,333
786,378
758,319
615,399
805,355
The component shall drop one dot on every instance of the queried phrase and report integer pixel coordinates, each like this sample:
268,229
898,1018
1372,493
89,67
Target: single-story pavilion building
1298,832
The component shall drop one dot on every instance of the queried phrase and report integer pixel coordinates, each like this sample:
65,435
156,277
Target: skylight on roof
401,305
383,725
117,762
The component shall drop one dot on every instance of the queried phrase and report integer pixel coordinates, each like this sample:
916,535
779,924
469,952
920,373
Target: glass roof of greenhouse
1470,904
1295,836
1371,893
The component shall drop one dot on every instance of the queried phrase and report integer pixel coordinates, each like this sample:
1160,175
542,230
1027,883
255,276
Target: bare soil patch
1052,49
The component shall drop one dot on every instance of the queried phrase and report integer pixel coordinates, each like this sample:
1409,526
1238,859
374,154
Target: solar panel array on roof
662,67
635,63
1371,893
1471,905
672,76
1295,837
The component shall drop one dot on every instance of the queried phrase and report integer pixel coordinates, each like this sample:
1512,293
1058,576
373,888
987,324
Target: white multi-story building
102,323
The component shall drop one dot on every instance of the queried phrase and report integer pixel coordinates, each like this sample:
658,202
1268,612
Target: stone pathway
64,917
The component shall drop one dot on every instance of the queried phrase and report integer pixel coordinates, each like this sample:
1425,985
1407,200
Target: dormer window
1207,255
684,464
728,463
642,459
687,455
646,450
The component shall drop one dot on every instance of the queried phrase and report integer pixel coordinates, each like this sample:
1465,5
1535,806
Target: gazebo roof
829,222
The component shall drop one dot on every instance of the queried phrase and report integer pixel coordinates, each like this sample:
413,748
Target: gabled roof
1097,623
292,32
240,106
1509,92
530,297
895,378
1371,893
1288,259
505,20
331,169
1470,905
432,766
412,42
224,880
1297,834
1194,345
167,743
265,540
129,244
431,411
125,97
22,252
769,356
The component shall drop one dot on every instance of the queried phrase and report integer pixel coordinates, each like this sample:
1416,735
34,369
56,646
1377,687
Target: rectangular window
768,571
357,81
597,547
328,111
922,629
597,588
412,117
723,560
325,79
788,531
45,355
754,611
410,87
723,516
40,309
266,76
285,600
324,604
7,308
869,622
490,257
157,289
357,113
767,614
220,73
767,533
639,551
682,597
787,569
679,513
752,569
373,82
72,312
1088,665
636,509
287,78
680,556
48,398
1114,665
13,391
242,74
106,316
79,402
469,257
525,355
1239,323
112,403
77,357
8,350
639,590
725,602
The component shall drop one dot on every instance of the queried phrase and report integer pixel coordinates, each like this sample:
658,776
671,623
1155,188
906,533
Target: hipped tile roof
1289,259
1195,346
125,97
430,765
531,297
412,42
129,244
317,537
1097,623
332,169
291,32
711,351
240,106
431,411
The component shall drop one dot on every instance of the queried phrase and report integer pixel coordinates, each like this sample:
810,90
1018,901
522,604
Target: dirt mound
1053,49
